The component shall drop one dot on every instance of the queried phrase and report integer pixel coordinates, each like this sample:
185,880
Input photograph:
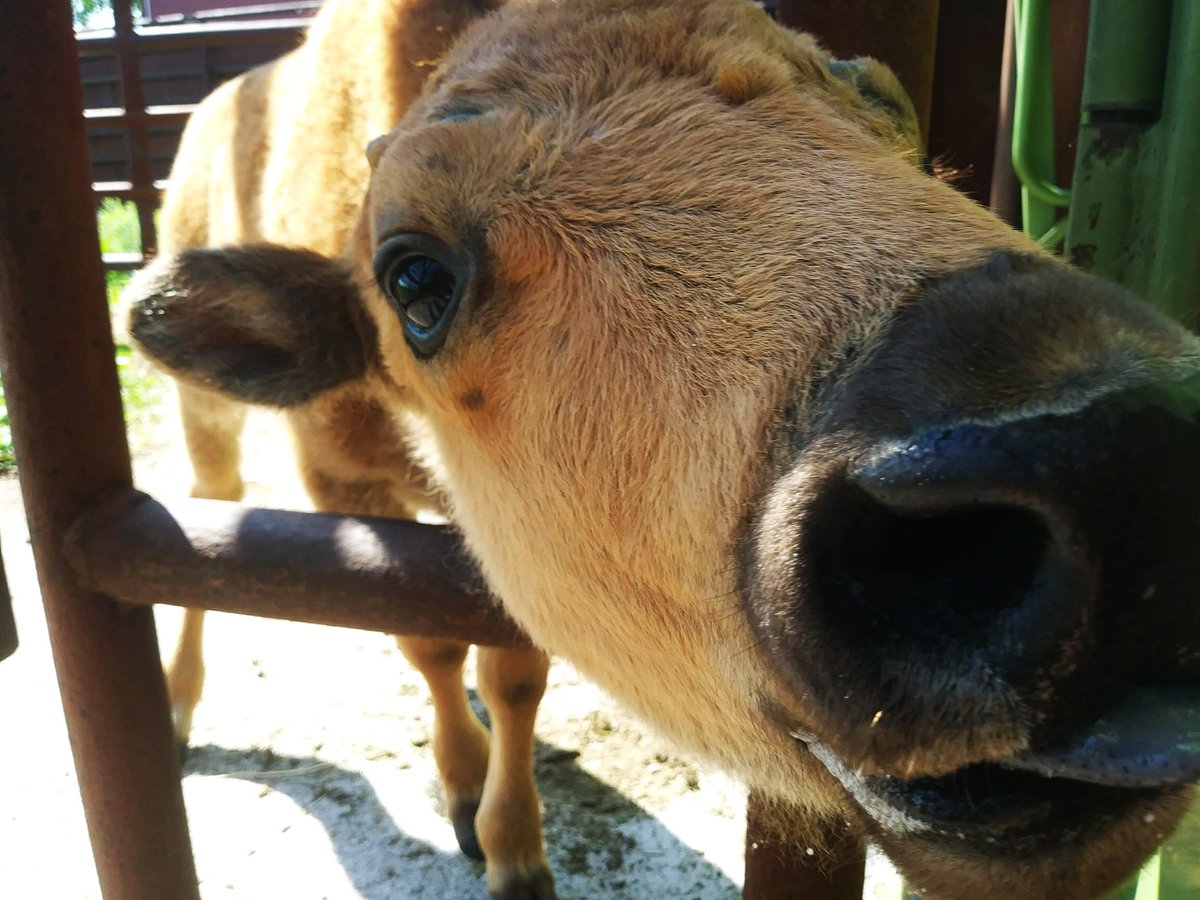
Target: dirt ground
311,774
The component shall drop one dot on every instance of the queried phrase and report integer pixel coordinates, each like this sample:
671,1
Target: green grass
8,461
117,222
142,388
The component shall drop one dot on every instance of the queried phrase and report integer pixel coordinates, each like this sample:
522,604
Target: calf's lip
1146,746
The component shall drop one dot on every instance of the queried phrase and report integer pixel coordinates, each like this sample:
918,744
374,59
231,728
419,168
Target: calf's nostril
967,580
941,576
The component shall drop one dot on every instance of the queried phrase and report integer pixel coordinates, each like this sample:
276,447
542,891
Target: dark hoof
462,817
537,885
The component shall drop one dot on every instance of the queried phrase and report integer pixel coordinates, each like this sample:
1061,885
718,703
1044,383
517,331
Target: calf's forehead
602,159
544,84
545,53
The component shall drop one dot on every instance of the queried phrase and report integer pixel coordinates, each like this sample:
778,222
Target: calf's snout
1055,554
946,589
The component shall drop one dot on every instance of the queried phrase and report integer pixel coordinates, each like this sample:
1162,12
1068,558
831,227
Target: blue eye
422,279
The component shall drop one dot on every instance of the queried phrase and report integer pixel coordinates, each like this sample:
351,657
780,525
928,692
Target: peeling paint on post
1133,216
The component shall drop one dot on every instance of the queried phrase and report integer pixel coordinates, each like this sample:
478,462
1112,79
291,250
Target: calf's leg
212,430
509,821
185,675
490,792
460,742
212,427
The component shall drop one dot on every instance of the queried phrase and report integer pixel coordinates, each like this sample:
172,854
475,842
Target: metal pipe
63,402
352,571
1127,47
1121,150
1033,119
1176,272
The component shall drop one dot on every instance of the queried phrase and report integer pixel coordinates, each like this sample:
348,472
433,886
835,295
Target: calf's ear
881,90
264,324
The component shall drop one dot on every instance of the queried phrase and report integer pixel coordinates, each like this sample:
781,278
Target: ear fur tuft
263,324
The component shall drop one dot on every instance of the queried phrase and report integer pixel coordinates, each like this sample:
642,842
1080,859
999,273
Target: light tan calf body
279,155
812,462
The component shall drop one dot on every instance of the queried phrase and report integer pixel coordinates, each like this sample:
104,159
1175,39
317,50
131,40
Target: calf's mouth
1146,749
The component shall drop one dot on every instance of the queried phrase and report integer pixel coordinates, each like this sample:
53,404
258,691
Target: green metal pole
1116,186
1135,216
1033,120
1135,211
1174,282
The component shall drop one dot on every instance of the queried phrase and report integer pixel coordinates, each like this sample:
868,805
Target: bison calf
815,464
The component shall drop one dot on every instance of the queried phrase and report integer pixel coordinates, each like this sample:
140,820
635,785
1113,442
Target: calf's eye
423,280
422,288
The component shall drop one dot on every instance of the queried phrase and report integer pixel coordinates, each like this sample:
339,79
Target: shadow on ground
600,844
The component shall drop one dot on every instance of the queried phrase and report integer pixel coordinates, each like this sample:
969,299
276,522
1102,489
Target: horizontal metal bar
114,117
102,79
158,38
126,190
357,572
123,262
305,7
108,159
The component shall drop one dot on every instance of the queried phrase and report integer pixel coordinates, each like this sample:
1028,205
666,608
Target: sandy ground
311,775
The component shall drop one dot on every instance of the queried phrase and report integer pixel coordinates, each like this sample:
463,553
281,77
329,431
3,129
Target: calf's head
801,454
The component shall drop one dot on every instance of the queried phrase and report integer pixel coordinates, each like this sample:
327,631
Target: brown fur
691,237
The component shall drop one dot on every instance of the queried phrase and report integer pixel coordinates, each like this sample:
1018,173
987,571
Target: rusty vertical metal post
967,92
65,409
901,33
134,101
780,866
1005,196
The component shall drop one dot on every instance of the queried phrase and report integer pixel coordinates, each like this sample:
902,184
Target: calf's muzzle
1015,586
1056,555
